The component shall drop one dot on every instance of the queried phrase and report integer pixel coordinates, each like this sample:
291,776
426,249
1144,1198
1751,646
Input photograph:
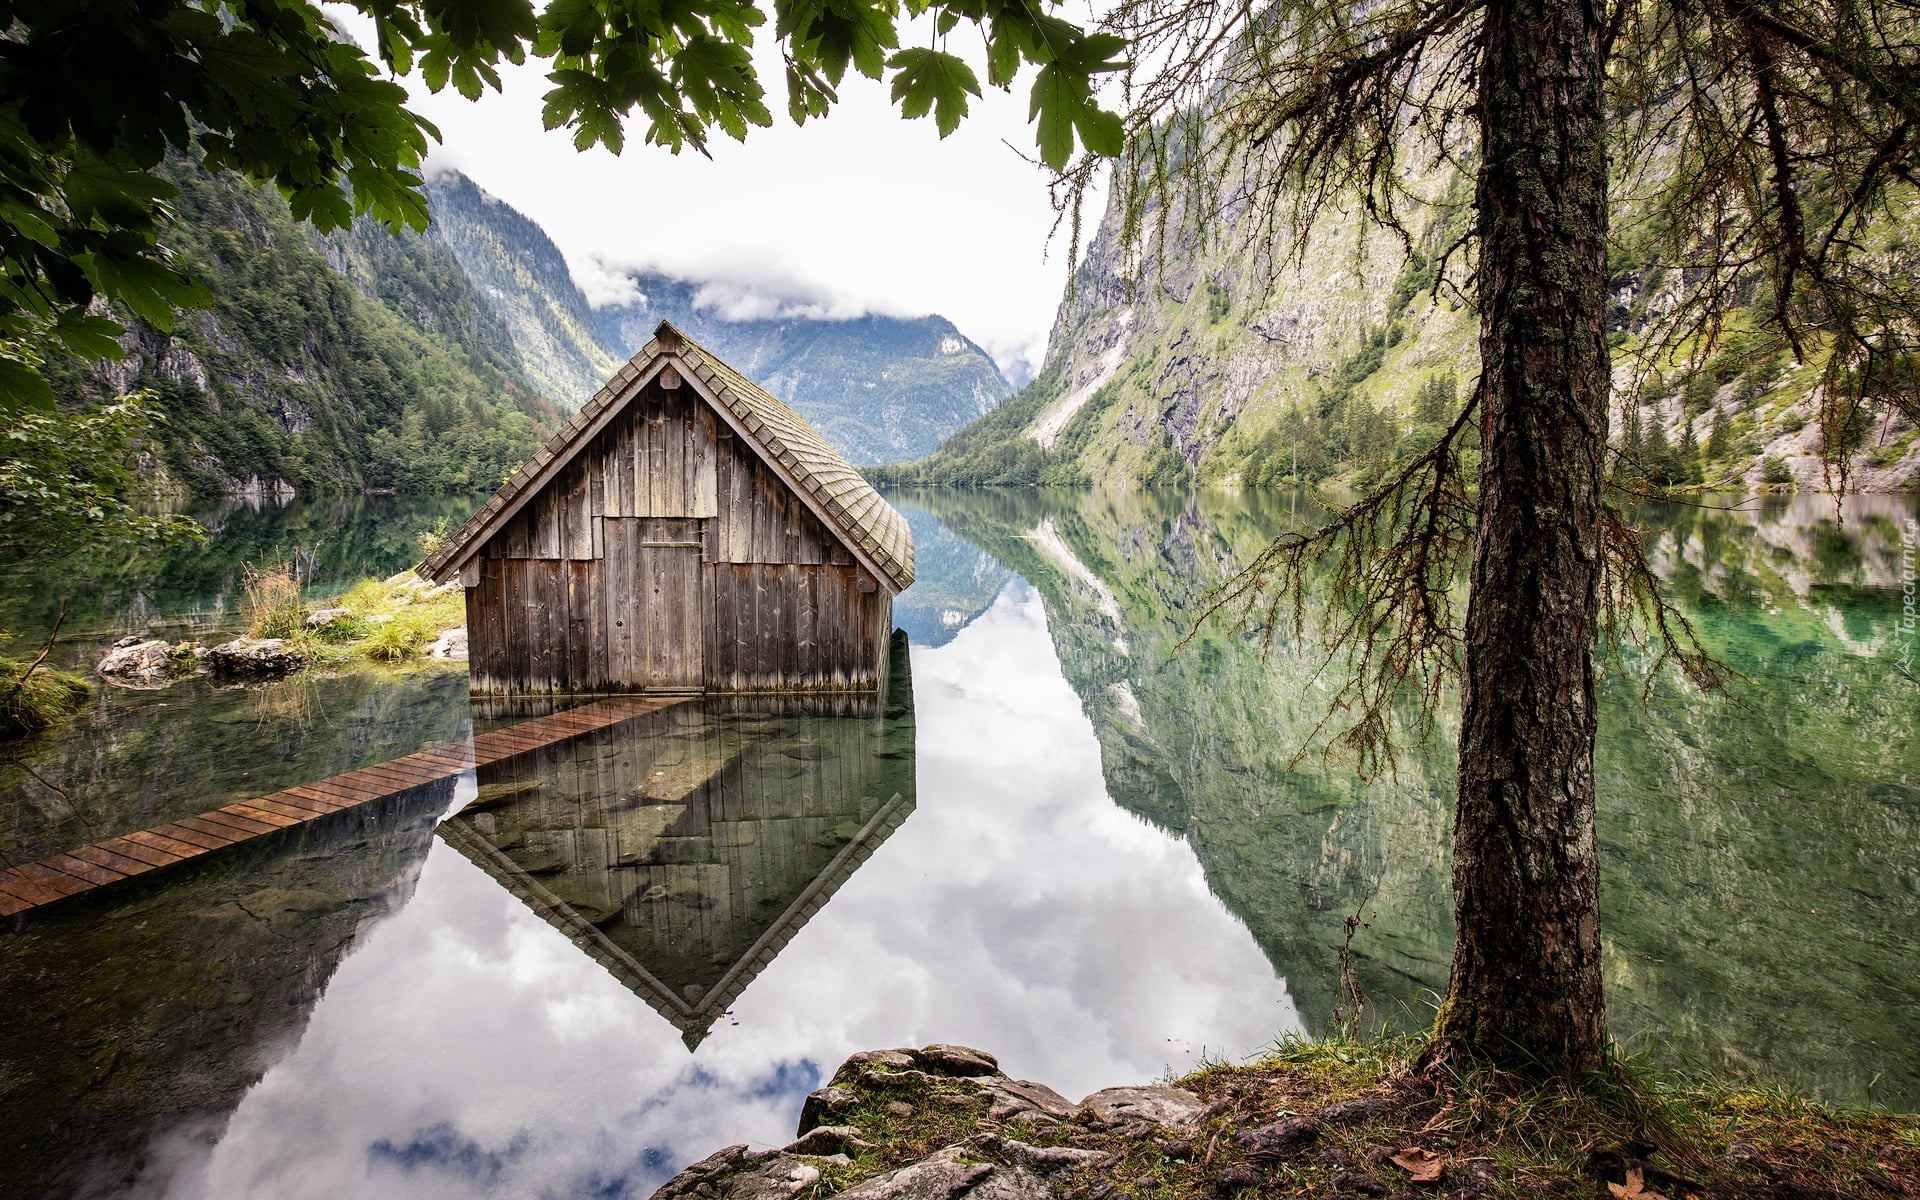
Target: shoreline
1337,1119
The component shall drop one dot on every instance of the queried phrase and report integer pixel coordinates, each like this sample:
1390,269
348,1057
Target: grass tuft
272,601
46,697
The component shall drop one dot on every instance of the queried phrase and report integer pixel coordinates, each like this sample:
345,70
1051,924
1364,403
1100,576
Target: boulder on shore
321,618
136,664
451,645
255,658
989,1115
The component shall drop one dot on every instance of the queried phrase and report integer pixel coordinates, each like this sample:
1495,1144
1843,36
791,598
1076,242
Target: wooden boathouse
684,532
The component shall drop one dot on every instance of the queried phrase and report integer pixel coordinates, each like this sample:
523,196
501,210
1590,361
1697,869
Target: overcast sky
862,212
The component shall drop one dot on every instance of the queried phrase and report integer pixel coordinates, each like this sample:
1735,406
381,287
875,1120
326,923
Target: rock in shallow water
138,665
254,658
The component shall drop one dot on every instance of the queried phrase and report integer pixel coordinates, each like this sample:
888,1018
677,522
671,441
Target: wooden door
658,600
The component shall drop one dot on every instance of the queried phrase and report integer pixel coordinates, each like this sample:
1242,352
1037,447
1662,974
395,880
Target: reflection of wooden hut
685,531
684,852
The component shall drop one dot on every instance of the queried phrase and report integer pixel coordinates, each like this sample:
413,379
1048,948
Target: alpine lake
1070,835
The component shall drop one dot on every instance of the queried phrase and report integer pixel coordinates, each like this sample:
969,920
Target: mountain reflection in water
1102,862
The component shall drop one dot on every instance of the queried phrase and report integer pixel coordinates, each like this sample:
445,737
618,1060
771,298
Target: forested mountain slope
520,275
1188,362
363,361
881,388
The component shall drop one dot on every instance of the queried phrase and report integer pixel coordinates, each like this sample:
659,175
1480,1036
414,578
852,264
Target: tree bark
1526,988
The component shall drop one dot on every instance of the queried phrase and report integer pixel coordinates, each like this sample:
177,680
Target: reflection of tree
135,1025
1723,819
340,540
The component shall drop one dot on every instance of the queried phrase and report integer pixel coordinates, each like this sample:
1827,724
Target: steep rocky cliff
1229,359
522,278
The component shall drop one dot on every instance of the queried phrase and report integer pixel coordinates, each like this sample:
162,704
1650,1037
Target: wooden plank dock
48,881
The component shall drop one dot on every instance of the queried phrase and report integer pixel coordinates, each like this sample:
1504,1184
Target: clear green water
1102,868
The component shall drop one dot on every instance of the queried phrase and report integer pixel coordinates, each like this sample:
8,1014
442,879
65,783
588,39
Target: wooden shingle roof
873,529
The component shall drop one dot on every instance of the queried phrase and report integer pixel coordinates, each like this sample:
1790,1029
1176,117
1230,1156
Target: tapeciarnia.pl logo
1904,629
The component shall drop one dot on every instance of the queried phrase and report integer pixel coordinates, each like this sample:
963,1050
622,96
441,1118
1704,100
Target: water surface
1067,842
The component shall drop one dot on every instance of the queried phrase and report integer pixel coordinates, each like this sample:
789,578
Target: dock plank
28,887
107,858
47,877
81,869
227,834
261,814
143,853
282,809
20,887
191,837
241,825
161,842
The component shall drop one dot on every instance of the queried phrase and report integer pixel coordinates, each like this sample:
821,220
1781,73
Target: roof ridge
858,513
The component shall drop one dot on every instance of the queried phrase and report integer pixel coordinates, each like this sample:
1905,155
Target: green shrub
1774,470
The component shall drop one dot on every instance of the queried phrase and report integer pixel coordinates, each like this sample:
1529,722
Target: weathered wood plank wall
669,557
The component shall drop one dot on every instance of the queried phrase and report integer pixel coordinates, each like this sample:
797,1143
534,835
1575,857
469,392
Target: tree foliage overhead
63,479
94,93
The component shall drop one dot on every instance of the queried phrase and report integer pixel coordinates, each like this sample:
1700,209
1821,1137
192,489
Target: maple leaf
1635,1188
1420,1166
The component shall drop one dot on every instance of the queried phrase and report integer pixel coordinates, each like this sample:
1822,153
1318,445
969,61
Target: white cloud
604,285
873,212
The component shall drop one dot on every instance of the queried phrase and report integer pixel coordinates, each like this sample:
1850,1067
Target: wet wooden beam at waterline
59,877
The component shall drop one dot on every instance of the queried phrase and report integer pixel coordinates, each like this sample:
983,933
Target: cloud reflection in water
466,1047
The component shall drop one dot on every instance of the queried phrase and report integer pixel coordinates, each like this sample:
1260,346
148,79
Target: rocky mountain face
362,361
882,389
1231,360
522,279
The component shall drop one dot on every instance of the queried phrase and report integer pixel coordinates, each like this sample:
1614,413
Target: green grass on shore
388,621
1635,1133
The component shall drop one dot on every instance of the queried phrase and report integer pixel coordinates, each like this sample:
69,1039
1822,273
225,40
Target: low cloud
605,285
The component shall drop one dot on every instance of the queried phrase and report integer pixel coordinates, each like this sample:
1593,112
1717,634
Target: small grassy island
390,620
1327,1119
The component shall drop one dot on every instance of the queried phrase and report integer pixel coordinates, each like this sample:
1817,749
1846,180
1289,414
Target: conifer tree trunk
1526,989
